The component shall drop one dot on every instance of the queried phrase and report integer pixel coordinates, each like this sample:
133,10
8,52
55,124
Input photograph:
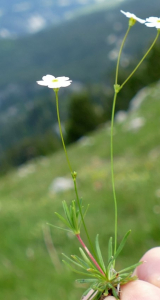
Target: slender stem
155,40
119,55
82,218
90,255
112,118
60,129
112,171
72,173
111,145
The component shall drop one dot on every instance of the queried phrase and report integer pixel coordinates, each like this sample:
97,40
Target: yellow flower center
55,80
158,21
132,21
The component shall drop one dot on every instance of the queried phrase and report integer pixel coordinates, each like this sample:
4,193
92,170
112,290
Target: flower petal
48,78
129,15
140,20
67,83
42,83
151,24
152,19
62,78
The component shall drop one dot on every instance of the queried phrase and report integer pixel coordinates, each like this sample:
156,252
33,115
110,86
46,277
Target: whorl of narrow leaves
72,217
98,283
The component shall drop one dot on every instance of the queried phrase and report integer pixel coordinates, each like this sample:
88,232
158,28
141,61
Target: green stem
84,225
72,173
60,129
120,52
117,89
112,126
155,40
112,171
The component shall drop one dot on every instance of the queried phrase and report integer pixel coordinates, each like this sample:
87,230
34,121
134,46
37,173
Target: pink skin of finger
147,287
139,290
150,270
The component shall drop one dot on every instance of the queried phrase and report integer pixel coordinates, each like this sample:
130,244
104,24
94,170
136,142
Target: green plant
103,277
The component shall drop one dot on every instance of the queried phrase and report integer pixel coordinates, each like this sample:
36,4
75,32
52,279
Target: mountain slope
66,46
85,49
27,17
81,47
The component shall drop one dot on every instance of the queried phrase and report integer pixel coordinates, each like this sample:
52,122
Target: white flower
54,82
133,17
153,22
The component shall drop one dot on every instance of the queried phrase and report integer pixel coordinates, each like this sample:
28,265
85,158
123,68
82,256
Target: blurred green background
34,172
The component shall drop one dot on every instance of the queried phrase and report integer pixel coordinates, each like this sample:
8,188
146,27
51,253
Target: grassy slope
26,205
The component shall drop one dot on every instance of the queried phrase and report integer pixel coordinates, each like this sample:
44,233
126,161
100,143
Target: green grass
26,205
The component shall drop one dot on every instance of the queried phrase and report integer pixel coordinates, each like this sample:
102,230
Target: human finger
139,290
150,270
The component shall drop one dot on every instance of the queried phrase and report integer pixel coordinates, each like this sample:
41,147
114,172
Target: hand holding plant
100,273
148,285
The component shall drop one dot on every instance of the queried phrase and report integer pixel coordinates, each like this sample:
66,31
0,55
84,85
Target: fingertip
150,270
139,290
155,279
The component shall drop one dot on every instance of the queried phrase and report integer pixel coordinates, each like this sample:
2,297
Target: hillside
27,202
84,43
84,48
19,18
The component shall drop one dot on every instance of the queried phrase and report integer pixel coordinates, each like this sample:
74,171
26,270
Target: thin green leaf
81,261
74,270
95,271
63,220
121,245
75,221
89,280
99,254
110,249
67,213
124,275
72,214
131,267
71,260
60,228
86,259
